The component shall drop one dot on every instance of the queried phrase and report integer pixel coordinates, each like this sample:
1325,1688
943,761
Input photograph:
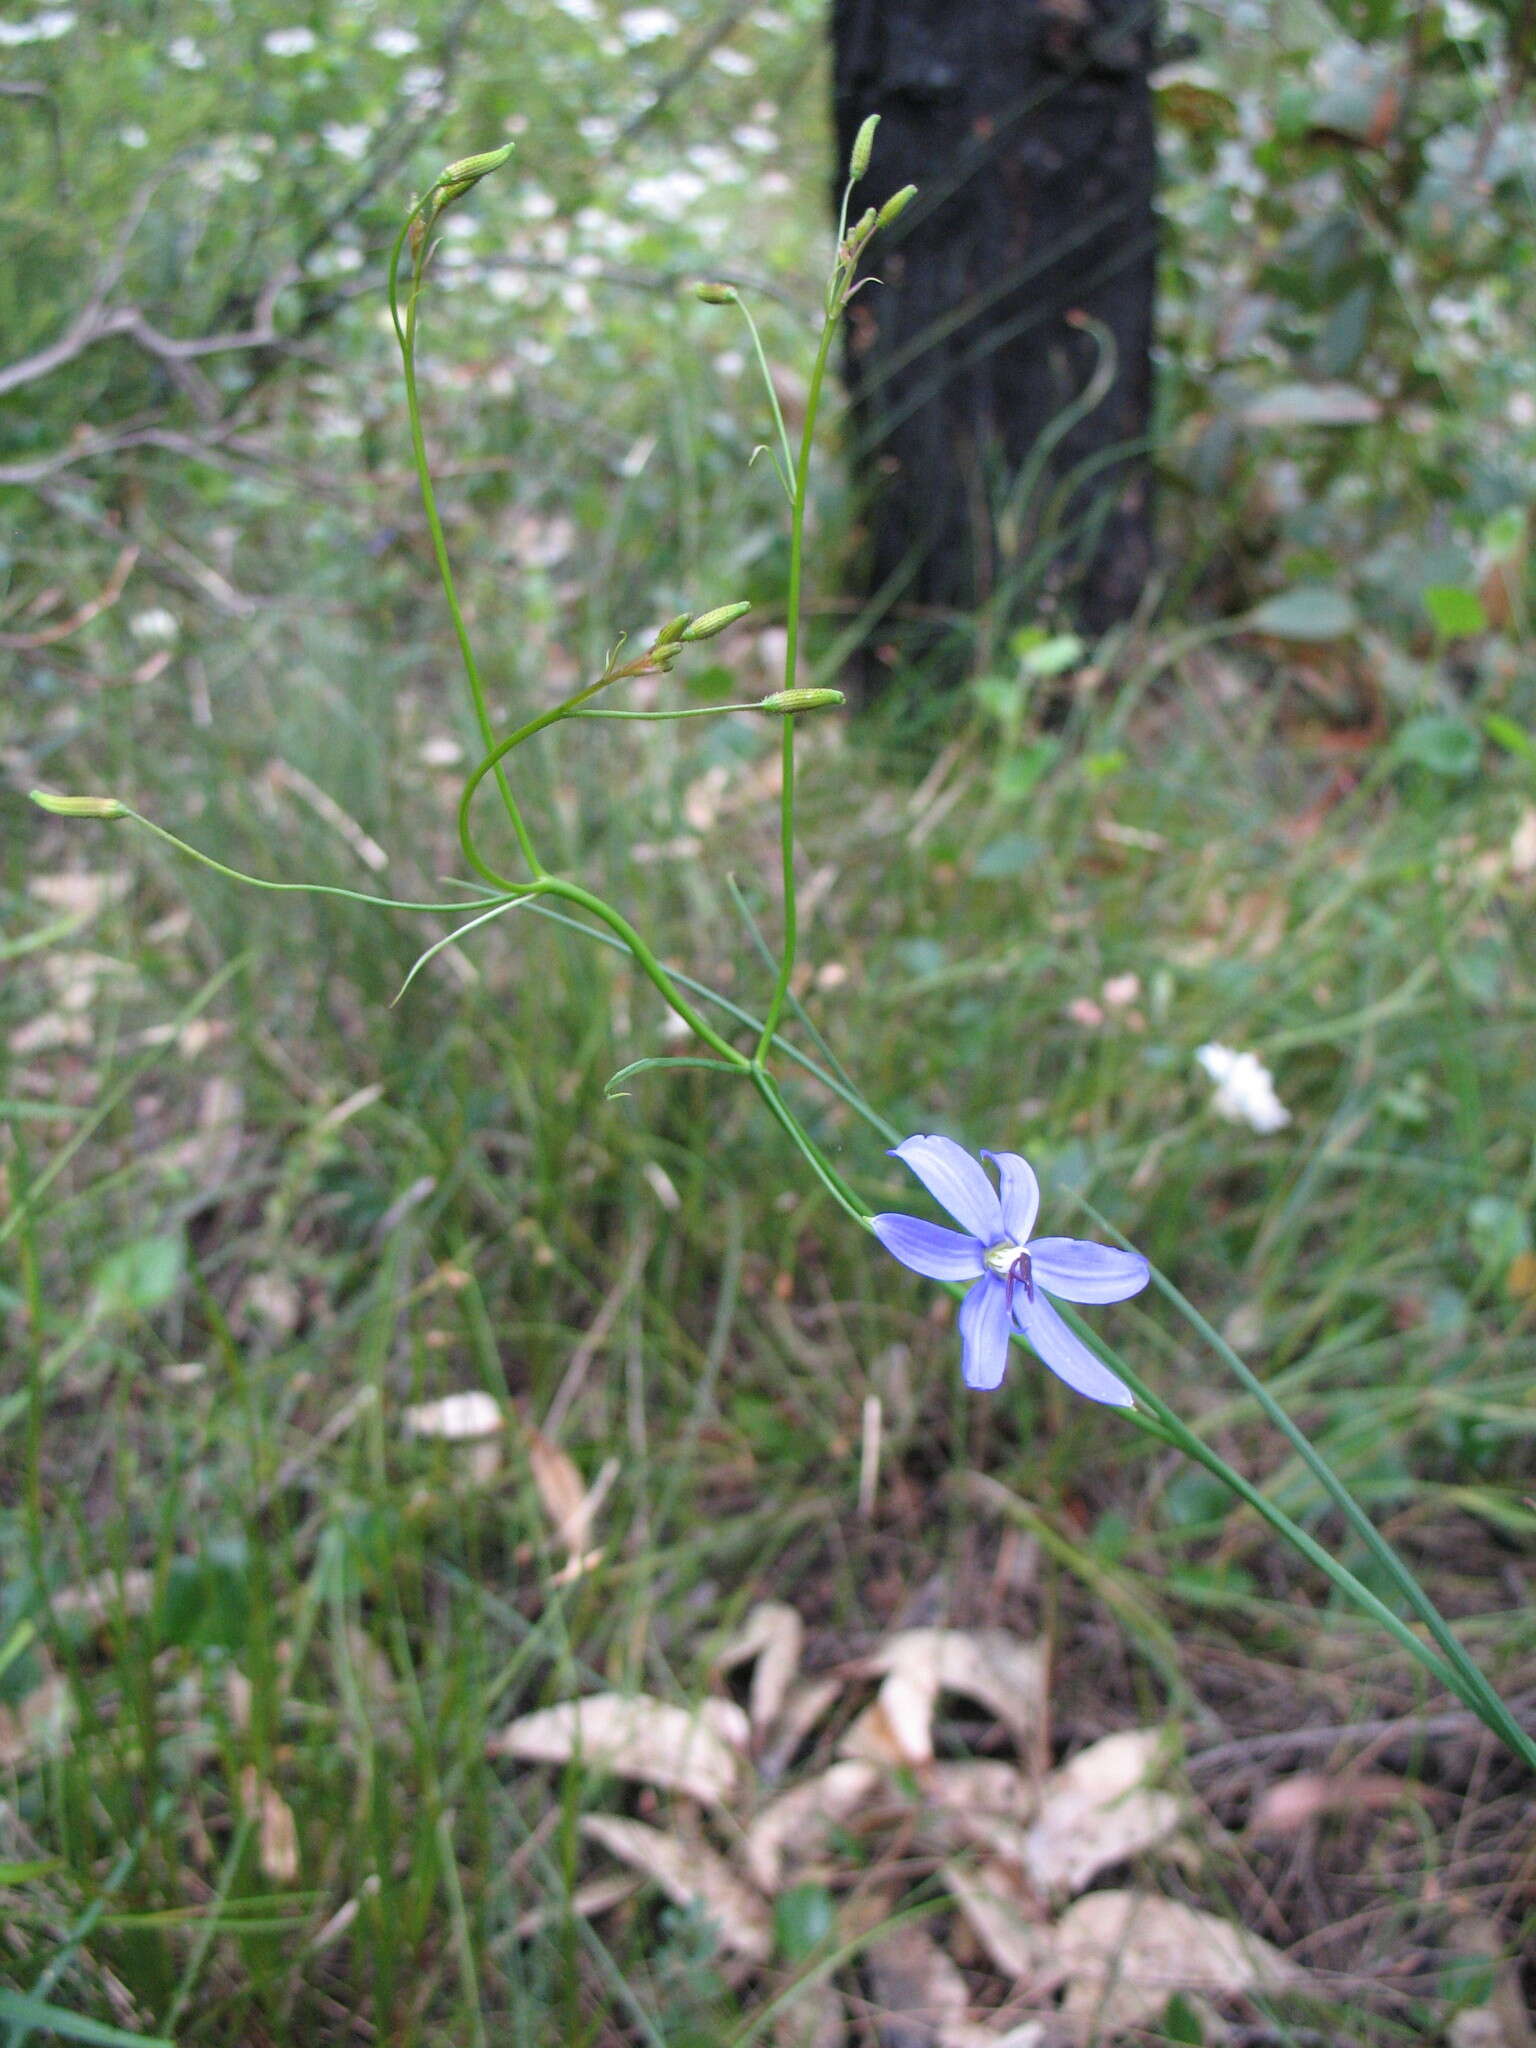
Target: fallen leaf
80,894
1096,1811
108,1595
774,1635
277,1838
697,1752
996,1907
989,1665
1124,1953
38,1725
458,1418
807,1704
691,1875
794,1827
1503,2020
1289,1806
815,2019
919,1995
564,1495
587,1901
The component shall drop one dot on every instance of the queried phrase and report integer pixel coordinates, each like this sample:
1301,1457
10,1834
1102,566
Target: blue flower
1013,1272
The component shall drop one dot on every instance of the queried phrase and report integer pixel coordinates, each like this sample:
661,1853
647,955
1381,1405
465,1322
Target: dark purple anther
1019,1270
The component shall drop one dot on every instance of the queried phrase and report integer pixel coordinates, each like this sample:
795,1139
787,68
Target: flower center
1010,1262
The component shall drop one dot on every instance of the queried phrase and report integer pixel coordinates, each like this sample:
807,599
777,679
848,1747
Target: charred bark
1000,374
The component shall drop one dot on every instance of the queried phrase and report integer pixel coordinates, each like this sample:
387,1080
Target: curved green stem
649,965
406,335
314,888
499,749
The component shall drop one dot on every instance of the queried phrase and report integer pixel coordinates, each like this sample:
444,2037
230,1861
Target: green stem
315,888
791,668
824,1171
646,961
773,400
499,749
406,335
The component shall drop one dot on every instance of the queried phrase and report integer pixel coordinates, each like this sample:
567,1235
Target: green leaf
1514,739
1021,772
1053,657
1181,2022
1309,612
22,2011
1498,1230
611,1087
803,1918
1455,611
141,1276
1014,853
1442,744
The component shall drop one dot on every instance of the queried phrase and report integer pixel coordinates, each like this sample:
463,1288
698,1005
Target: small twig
105,598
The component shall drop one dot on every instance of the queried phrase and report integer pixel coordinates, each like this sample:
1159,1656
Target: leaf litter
1011,1845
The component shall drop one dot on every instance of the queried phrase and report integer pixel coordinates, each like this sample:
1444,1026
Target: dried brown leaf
39,1723
108,1595
1124,1953
999,1670
919,1995
457,1418
815,2019
1288,1806
277,1838
774,1635
1096,1811
691,1875
588,1900
997,1908
794,1827
807,1704
694,1751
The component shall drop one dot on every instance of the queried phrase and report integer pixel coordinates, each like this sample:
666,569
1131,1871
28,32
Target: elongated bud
716,294
673,630
864,226
470,169
708,624
895,206
78,806
790,701
863,148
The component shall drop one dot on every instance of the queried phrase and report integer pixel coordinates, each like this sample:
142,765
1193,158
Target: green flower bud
863,227
672,630
469,169
708,624
895,206
78,806
863,148
716,294
790,701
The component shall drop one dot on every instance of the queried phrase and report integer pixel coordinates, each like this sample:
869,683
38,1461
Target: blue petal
955,1179
1021,1194
1066,1353
984,1334
1074,1270
925,1248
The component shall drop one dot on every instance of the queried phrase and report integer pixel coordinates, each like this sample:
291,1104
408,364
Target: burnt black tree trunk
1027,126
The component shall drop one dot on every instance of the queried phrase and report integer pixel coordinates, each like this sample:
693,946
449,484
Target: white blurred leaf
794,1827
1125,1953
691,1875
774,1635
458,1418
988,1665
697,1752
1096,1811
